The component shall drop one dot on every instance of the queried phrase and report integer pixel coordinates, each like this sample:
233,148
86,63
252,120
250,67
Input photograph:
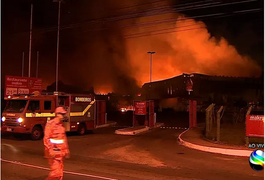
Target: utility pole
151,53
58,41
37,64
30,36
23,55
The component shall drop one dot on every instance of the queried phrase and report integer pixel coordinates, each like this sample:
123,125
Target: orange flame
100,89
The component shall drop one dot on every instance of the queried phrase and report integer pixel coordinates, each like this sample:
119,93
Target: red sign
189,85
22,85
140,108
255,126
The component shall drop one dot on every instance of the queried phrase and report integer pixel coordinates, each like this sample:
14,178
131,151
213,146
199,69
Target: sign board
82,99
22,85
189,85
140,108
255,126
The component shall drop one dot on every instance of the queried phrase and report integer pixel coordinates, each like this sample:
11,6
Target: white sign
256,118
82,99
11,91
23,91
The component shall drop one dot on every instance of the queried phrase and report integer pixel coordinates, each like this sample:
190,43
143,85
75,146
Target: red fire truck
28,114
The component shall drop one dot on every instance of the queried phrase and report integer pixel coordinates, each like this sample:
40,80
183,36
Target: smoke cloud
189,49
111,60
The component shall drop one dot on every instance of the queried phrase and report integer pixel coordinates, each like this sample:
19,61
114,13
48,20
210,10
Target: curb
119,131
230,152
158,125
122,132
106,125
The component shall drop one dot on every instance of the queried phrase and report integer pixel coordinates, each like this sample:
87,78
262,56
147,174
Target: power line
157,32
127,7
178,10
150,12
176,29
147,23
208,16
138,35
104,20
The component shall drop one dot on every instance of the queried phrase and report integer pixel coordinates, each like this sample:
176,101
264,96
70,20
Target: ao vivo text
256,145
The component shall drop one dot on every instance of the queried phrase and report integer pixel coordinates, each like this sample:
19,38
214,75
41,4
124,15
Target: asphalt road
152,155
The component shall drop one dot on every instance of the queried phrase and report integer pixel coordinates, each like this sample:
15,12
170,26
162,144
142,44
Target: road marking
172,127
11,147
67,172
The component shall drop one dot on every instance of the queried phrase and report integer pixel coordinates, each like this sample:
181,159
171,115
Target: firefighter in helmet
56,146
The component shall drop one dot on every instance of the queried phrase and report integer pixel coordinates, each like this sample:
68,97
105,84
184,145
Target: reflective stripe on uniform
57,141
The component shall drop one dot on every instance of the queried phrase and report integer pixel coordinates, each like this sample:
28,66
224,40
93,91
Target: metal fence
226,124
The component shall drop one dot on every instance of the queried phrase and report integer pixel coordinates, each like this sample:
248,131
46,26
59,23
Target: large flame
190,49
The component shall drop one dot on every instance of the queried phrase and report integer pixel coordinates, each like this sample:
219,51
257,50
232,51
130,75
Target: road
152,155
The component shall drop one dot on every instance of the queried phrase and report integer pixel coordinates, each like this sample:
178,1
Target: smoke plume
188,48
115,59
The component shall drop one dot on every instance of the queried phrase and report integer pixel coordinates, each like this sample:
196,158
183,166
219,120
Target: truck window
15,106
34,105
61,101
47,105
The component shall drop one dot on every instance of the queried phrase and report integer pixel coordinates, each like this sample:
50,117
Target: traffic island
193,138
137,129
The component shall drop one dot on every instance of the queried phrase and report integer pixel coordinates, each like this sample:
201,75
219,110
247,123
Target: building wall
219,89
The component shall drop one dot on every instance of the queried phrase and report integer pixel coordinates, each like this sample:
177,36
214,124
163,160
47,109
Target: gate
151,114
101,112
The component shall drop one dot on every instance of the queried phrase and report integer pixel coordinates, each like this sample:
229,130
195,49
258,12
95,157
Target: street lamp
30,38
58,40
151,53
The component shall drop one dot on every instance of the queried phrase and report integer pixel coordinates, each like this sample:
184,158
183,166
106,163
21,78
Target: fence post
207,123
211,116
208,119
219,124
247,138
211,119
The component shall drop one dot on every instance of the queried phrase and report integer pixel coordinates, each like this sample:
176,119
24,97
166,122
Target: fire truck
29,113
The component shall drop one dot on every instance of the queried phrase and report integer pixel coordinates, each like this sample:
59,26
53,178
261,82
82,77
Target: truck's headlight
3,118
20,120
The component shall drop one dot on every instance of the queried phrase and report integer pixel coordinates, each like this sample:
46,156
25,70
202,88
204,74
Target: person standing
55,144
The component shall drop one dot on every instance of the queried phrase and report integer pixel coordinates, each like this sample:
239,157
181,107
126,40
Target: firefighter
55,143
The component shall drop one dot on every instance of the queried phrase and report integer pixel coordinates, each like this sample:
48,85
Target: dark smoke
94,58
103,58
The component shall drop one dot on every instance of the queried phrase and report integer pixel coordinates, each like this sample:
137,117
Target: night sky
103,43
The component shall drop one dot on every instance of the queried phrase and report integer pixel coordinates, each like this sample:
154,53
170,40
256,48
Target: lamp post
151,53
58,40
30,37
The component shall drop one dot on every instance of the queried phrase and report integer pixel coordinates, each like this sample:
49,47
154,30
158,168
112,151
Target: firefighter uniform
56,146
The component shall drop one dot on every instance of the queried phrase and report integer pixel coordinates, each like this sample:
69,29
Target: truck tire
81,129
37,133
